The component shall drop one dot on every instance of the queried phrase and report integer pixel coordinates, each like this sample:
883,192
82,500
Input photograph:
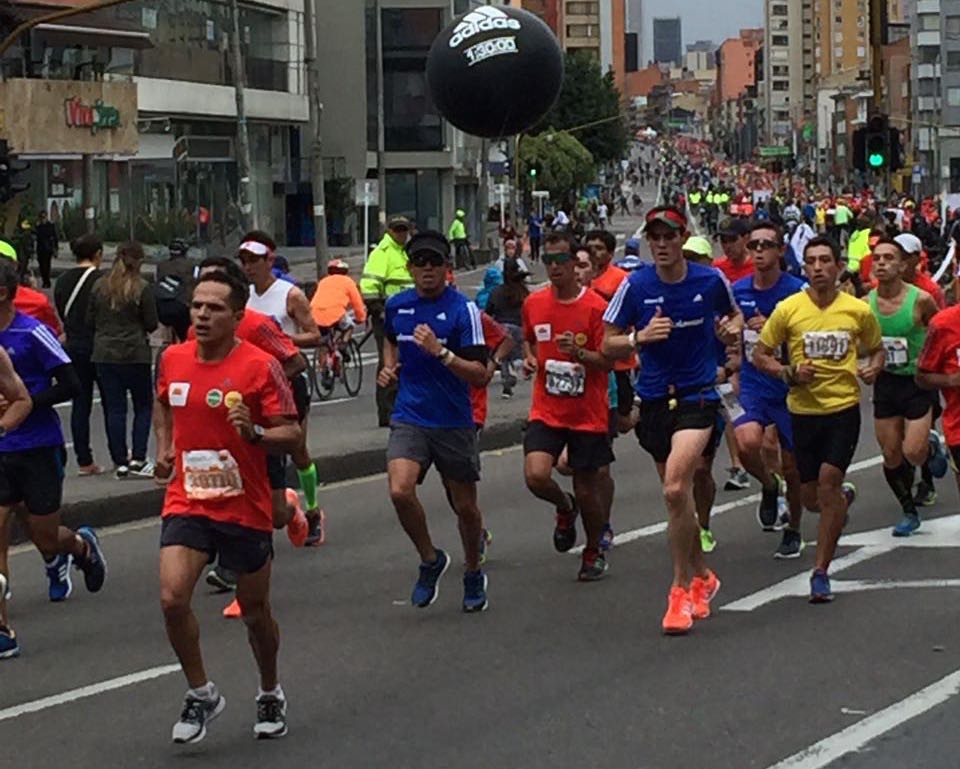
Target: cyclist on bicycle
336,295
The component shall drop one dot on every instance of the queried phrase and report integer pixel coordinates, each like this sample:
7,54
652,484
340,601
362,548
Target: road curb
145,503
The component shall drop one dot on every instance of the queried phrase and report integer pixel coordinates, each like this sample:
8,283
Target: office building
667,41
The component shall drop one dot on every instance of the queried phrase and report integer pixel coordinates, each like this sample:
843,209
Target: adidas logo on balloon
483,19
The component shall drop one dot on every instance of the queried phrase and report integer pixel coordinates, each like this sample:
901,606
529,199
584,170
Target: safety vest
695,198
710,198
385,272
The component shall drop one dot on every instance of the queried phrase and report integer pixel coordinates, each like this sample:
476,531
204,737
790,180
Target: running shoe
232,610
474,592
141,468
486,539
565,529
708,542
58,573
297,528
925,495
94,567
9,647
908,524
938,460
849,492
86,470
316,529
702,591
271,717
820,587
606,538
679,617
593,566
783,513
506,395
222,580
791,545
121,472
738,480
196,714
426,590
768,510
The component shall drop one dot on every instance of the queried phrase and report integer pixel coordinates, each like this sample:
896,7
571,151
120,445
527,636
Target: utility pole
316,138
484,193
248,218
381,132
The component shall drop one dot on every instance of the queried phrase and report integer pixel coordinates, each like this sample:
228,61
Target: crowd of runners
680,351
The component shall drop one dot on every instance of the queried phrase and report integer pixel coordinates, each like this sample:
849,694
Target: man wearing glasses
433,352
563,334
678,309
763,398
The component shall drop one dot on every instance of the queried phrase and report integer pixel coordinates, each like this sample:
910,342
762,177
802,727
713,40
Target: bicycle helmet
338,267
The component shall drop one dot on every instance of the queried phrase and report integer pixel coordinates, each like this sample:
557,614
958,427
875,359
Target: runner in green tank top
902,411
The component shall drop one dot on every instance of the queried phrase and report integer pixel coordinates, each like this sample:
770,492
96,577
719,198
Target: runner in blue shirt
32,455
763,398
535,235
434,351
678,308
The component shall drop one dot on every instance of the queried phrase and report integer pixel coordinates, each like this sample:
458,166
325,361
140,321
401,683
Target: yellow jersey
828,338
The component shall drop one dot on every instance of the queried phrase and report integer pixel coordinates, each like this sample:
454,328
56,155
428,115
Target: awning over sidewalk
75,34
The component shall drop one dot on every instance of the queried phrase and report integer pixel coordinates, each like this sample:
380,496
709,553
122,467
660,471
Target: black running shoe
790,546
271,717
565,530
767,509
222,580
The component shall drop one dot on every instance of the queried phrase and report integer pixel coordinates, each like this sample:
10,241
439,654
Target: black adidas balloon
495,71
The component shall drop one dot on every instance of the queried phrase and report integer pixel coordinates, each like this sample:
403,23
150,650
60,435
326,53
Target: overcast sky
702,19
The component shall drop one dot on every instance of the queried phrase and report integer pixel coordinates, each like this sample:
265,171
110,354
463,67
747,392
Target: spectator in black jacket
47,245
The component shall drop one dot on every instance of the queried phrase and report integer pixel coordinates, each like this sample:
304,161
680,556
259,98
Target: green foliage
588,95
563,164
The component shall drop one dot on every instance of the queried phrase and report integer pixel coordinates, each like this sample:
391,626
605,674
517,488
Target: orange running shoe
233,610
298,528
702,591
679,617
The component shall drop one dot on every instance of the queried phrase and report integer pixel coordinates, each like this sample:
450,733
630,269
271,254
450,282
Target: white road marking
859,585
859,735
83,692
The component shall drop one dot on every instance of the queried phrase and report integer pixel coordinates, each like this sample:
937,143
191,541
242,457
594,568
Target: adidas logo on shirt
483,19
698,298
442,316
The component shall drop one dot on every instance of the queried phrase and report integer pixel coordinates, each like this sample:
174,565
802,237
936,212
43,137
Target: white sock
277,692
206,692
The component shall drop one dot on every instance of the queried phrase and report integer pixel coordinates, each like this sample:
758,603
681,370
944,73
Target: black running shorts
898,395
658,422
454,451
825,439
33,477
585,451
239,548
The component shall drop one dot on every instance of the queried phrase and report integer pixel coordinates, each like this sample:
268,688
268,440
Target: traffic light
10,169
878,143
896,150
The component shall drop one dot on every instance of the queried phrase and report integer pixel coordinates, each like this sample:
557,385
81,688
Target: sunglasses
425,258
561,257
662,237
762,245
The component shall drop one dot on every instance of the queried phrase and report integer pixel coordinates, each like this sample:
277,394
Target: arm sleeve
622,310
276,397
148,309
774,332
66,385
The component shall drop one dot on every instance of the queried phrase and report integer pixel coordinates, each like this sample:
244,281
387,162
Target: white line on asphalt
859,585
87,691
860,734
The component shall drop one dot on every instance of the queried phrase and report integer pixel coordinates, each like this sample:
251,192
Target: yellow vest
385,272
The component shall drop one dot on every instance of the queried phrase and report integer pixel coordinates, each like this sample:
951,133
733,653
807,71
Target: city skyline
696,24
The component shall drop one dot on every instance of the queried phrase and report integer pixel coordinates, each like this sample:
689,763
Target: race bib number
895,351
211,474
565,379
750,339
729,402
829,345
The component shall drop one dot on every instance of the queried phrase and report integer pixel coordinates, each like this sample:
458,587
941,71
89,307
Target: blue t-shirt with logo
35,352
752,301
687,360
428,393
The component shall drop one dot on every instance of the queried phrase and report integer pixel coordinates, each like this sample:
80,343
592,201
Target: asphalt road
555,674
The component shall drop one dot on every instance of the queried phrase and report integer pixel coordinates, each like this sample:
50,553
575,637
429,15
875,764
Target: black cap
429,240
512,269
733,228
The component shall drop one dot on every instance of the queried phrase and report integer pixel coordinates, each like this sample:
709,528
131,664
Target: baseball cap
429,240
398,222
668,215
699,245
7,251
632,247
909,243
733,228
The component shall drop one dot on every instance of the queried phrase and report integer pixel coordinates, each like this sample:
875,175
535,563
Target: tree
588,95
562,163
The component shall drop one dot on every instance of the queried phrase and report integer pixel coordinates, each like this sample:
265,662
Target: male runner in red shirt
221,405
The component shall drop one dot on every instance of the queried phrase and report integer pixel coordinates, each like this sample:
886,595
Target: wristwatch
258,433
581,353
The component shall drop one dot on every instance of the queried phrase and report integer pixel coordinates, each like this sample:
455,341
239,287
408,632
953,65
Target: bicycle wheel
352,371
321,375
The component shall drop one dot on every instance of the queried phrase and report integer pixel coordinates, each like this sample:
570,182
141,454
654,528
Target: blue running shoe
8,644
94,568
426,590
820,587
58,572
606,538
937,461
908,524
474,592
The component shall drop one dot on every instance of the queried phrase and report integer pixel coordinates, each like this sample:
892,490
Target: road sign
774,152
367,193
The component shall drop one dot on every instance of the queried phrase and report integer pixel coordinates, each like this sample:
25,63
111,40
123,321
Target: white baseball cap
909,243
